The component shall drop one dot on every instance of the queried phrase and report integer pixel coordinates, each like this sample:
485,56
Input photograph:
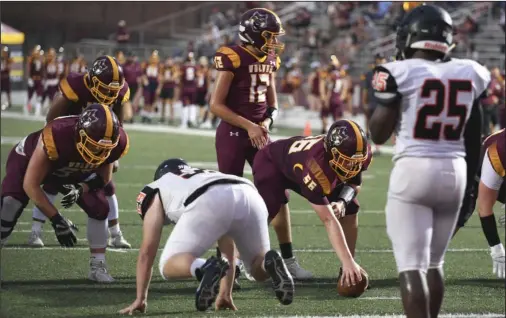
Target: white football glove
497,254
339,209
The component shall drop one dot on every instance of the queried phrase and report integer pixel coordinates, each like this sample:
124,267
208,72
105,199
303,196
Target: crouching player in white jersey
207,207
432,103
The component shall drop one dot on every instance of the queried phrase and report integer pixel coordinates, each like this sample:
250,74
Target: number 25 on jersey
445,106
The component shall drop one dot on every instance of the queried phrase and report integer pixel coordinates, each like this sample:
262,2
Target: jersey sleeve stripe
108,122
127,146
317,171
278,63
360,141
126,98
232,55
49,144
115,71
495,160
67,91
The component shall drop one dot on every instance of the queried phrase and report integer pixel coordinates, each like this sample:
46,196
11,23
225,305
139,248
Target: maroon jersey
305,165
132,71
35,68
75,89
169,77
152,73
247,95
315,85
496,145
189,77
67,165
335,84
51,71
202,80
6,68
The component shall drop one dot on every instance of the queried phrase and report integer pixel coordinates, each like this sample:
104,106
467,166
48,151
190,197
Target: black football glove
75,192
64,230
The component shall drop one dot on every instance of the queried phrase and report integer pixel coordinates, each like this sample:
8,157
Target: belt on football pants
200,191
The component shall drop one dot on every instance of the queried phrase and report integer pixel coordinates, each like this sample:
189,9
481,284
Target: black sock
286,250
489,227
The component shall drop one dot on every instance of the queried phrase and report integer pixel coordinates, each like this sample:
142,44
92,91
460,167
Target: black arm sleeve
472,140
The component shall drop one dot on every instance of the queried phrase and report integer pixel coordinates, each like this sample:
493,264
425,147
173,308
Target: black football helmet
260,28
346,147
97,133
105,79
426,27
169,165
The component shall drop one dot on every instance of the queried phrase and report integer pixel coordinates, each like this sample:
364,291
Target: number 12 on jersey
258,88
446,100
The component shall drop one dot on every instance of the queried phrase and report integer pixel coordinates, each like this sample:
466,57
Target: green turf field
51,282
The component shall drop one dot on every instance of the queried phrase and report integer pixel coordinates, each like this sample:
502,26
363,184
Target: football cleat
282,281
98,272
35,240
246,273
214,270
297,272
118,241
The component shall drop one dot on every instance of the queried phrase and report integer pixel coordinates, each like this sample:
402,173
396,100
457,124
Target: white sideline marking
157,128
487,315
378,251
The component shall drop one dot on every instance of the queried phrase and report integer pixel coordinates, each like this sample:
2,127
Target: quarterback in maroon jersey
104,83
245,99
326,170
75,155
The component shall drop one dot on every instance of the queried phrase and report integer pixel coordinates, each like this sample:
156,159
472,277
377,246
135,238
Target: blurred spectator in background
6,77
78,64
378,10
218,19
207,48
468,28
493,105
122,35
133,75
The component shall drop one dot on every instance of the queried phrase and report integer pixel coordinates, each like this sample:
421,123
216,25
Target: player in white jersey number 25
207,207
431,102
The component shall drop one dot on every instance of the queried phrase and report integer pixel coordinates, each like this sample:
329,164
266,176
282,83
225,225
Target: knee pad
110,189
97,233
10,210
113,207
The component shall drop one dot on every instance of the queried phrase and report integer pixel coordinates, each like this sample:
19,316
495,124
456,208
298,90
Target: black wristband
272,114
95,183
489,227
56,218
347,194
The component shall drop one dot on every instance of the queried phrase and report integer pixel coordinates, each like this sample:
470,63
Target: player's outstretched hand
224,303
258,136
65,230
138,305
498,256
351,274
339,209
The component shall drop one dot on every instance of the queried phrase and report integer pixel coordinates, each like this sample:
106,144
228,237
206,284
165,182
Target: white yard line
487,315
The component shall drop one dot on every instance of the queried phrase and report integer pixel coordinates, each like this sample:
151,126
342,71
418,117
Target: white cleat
297,271
34,240
98,272
243,270
118,241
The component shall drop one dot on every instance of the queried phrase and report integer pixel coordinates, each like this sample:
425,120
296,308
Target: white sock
37,226
193,113
96,233
197,263
113,207
114,230
97,257
38,107
184,115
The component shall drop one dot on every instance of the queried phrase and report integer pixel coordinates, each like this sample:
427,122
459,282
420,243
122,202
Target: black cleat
282,281
213,271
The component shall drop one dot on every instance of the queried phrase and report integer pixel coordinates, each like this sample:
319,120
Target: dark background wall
55,23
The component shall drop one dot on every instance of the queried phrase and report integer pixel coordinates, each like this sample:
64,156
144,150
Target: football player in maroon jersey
5,85
104,83
245,99
75,155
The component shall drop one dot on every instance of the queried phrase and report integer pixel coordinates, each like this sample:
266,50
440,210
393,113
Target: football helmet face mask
97,133
346,146
106,79
261,28
169,165
426,27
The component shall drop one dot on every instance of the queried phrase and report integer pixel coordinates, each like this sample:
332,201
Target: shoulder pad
67,91
125,142
384,86
226,59
144,199
49,143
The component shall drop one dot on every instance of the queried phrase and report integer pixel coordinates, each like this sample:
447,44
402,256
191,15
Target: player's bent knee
110,189
10,210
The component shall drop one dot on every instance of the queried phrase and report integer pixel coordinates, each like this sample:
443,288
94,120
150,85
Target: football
353,291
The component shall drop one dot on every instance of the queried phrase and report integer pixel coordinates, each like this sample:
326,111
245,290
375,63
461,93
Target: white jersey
437,98
176,188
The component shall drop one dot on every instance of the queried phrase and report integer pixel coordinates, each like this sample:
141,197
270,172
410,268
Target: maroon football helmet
260,28
97,133
346,147
105,79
